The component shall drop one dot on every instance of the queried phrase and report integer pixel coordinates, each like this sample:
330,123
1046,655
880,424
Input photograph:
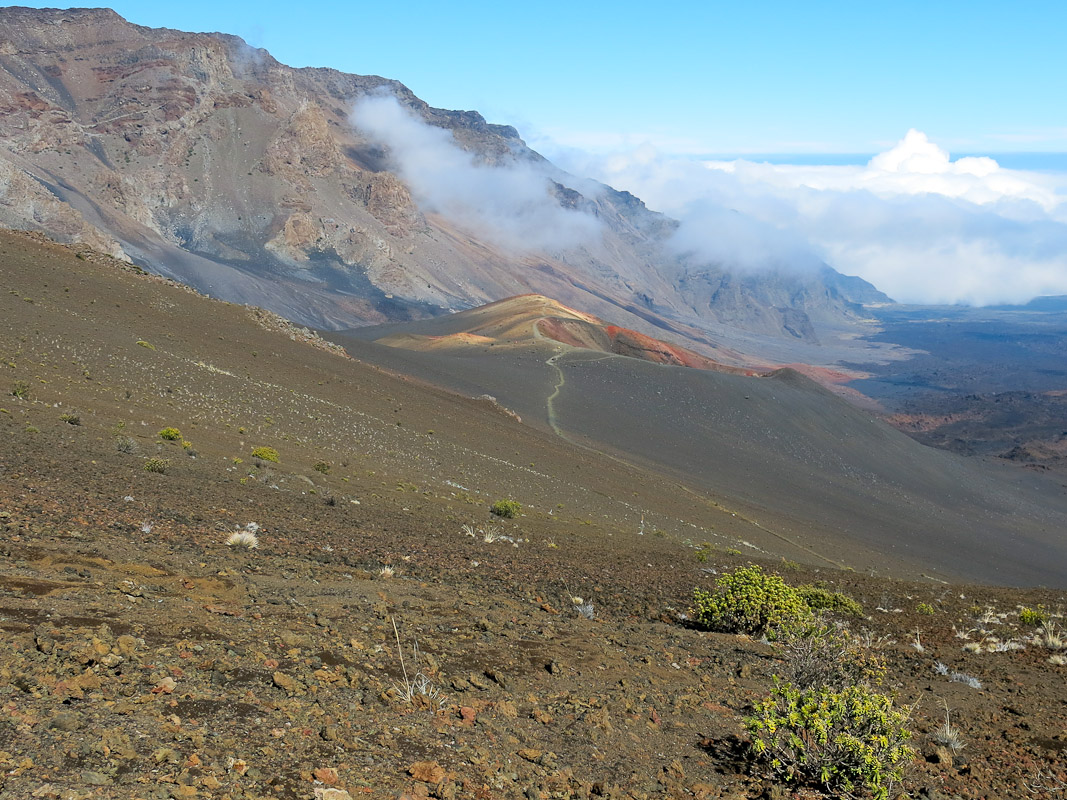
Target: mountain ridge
209,161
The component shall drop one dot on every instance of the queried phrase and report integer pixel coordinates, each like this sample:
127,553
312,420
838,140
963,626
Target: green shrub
20,389
508,509
170,434
71,418
156,465
265,454
323,467
1033,616
748,600
924,608
847,741
821,599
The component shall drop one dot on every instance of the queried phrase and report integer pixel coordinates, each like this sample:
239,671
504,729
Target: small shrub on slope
1033,617
849,741
170,434
508,509
823,654
748,600
265,454
821,599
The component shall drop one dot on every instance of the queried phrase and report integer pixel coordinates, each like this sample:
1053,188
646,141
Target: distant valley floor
988,382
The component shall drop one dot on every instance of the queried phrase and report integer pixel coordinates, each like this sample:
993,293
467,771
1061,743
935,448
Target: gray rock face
206,160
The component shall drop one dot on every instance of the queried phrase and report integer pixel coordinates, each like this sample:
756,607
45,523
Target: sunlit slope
524,320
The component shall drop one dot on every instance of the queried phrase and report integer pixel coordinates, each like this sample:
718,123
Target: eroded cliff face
202,158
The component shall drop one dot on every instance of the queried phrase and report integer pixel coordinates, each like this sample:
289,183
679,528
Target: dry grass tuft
243,539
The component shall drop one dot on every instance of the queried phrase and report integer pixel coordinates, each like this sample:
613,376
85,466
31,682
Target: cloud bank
510,205
922,227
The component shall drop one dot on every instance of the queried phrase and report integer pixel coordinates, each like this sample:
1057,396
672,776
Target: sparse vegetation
323,467
143,343
265,454
825,654
967,680
419,689
748,600
1033,617
20,389
924,608
1049,636
507,509
246,539
948,735
819,598
158,465
170,434
71,418
125,444
848,741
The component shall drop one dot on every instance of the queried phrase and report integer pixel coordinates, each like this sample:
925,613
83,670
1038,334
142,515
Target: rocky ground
146,658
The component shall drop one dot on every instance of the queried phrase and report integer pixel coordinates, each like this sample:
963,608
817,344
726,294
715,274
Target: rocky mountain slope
204,159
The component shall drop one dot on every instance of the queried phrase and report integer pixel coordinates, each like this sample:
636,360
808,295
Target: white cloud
920,226
510,205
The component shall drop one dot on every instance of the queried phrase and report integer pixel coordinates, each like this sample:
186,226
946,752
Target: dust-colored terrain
145,658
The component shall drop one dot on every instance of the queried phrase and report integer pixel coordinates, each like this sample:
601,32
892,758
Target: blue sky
693,77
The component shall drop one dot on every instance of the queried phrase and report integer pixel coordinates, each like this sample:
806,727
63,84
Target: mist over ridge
923,227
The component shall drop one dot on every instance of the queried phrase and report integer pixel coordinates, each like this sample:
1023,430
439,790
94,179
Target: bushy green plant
848,741
821,599
924,608
71,418
748,600
265,454
323,467
508,509
1033,616
156,465
20,389
170,434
